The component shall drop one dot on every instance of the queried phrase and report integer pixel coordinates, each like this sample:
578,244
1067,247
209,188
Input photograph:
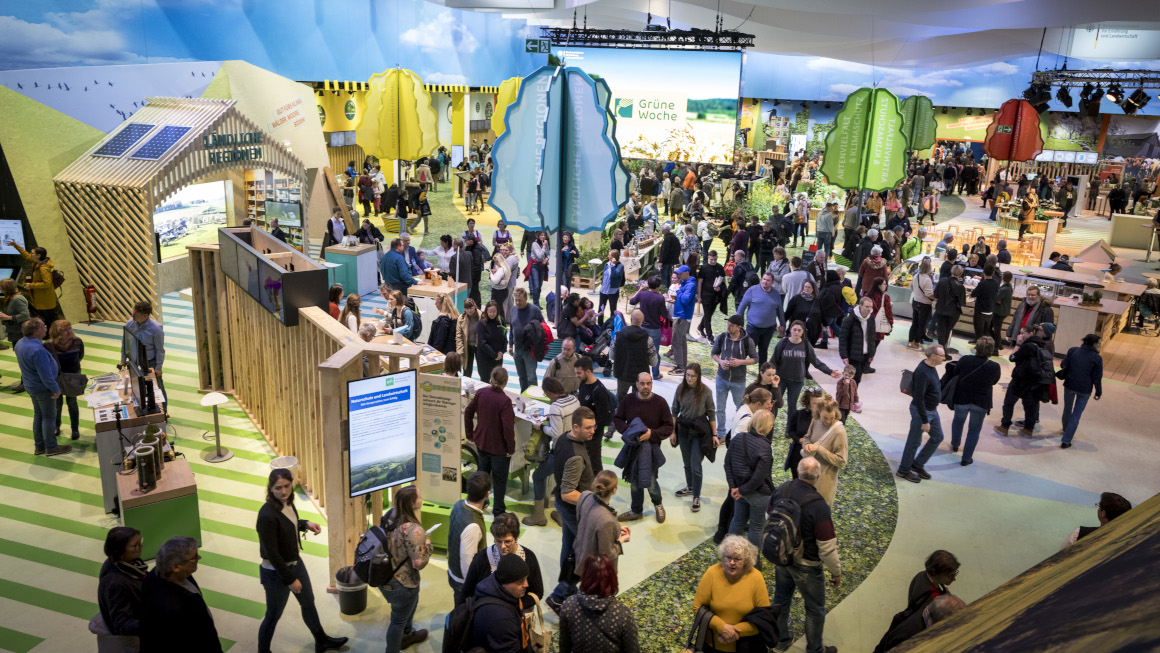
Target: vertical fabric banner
398,122
918,122
440,438
866,149
557,164
509,89
1014,133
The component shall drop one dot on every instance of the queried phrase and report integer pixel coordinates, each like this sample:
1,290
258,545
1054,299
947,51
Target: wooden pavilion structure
109,194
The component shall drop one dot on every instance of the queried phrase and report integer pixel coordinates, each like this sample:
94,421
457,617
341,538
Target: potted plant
1093,299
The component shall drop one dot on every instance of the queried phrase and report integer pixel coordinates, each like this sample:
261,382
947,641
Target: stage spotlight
1086,92
1098,94
944,110
970,112
827,105
1137,100
1037,94
1090,108
1064,96
776,103
1115,93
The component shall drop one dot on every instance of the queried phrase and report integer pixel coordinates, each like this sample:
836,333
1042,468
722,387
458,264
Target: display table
645,259
166,511
1076,321
428,363
110,445
1012,224
425,292
358,267
1131,231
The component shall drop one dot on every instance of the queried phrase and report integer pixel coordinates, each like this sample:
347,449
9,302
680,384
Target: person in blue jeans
733,351
977,376
38,372
693,409
653,307
925,393
541,254
748,470
653,411
574,475
1084,370
522,313
807,573
410,546
760,306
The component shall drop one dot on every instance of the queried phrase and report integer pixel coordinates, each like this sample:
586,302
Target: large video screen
192,215
668,104
289,213
383,418
11,230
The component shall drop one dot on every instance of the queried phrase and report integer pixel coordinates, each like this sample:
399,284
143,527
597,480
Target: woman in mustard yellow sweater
42,294
731,589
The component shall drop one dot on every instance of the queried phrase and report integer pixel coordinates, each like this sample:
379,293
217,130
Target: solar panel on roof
125,139
164,139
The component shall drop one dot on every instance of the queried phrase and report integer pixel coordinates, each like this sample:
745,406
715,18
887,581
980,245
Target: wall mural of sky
783,76
299,39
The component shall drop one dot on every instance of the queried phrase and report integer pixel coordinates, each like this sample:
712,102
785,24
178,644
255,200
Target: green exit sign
537,46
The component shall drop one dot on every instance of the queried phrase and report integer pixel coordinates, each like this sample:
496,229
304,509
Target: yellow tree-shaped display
509,90
398,122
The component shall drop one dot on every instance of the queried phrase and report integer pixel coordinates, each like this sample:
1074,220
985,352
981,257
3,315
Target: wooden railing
291,381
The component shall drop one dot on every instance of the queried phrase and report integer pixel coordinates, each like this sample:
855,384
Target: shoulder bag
947,396
539,632
72,384
881,322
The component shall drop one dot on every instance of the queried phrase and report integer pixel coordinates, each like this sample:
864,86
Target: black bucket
352,591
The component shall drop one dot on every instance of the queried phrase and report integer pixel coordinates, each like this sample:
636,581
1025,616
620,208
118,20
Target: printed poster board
440,437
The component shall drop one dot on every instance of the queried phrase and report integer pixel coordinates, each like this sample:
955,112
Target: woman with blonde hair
748,471
465,334
442,336
756,399
731,589
598,533
826,441
500,275
69,351
352,313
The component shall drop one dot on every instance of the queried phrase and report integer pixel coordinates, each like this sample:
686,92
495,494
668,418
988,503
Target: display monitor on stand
138,363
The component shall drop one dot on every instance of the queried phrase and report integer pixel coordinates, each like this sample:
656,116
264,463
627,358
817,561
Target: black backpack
372,557
410,303
459,624
781,540
1045,364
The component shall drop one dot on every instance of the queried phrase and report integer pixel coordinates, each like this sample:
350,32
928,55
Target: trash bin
352,591
286,462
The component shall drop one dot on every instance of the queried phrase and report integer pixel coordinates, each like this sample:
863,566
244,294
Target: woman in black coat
797,424
833,303
490,340
950,298
807,307
119,589
282,570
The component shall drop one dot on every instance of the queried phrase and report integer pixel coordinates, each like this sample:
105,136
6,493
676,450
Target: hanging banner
557,164
918,122
509,89
398,122
440,438
1014,133
866,149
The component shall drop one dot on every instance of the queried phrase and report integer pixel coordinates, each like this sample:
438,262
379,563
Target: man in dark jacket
743,277
170,596
630,354
940,608
806,575
670,254
985,294
1033,310
925,394
1085,371
595,397
856,339
950,297
498,625
574,474
1027,385
522,314
394,269
478,255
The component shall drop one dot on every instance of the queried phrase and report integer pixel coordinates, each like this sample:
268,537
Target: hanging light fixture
1137,100
1115,93
1064,96
1087,91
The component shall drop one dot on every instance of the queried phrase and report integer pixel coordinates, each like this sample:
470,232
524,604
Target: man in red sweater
494,436
653,411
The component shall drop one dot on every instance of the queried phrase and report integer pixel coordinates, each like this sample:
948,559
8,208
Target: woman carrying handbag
69,350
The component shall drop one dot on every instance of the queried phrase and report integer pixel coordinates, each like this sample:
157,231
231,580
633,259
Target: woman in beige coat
465,335
826,441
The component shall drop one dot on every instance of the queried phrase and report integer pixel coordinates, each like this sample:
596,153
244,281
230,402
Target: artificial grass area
864,519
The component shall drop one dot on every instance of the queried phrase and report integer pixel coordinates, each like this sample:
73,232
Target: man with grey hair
939,609
925,395
819,548
171,597
865,246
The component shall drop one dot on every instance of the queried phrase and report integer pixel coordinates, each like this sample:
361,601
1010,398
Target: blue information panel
157,146
382,412
125,139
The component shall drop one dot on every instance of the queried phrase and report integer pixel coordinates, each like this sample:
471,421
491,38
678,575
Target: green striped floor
52,524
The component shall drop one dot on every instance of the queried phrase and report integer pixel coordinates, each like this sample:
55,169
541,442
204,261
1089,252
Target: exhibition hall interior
372,324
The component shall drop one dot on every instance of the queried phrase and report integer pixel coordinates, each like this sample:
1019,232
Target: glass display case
901,276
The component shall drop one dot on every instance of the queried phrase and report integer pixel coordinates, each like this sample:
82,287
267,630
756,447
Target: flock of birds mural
124,113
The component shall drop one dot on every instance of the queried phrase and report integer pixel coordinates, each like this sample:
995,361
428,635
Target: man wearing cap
500,627
733,351
761,302
683,317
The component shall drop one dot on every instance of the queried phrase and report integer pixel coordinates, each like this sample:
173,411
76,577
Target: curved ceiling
892,33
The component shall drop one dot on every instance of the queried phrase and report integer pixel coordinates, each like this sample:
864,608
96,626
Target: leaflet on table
100,399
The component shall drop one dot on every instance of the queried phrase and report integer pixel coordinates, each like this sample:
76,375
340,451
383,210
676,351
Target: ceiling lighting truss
653,39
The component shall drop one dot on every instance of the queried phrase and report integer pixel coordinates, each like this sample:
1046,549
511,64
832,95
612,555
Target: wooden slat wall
291,381
341,156
1049,168
108,203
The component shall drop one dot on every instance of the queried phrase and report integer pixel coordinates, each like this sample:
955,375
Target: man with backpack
1033,374
733,351
597,398
799,540
519,346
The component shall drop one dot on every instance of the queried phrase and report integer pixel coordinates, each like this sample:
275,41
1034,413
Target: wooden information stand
110,446
168,510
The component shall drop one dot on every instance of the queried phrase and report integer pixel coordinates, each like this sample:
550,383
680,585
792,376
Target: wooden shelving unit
261,185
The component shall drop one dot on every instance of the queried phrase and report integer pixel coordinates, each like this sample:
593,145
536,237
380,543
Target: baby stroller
601,348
